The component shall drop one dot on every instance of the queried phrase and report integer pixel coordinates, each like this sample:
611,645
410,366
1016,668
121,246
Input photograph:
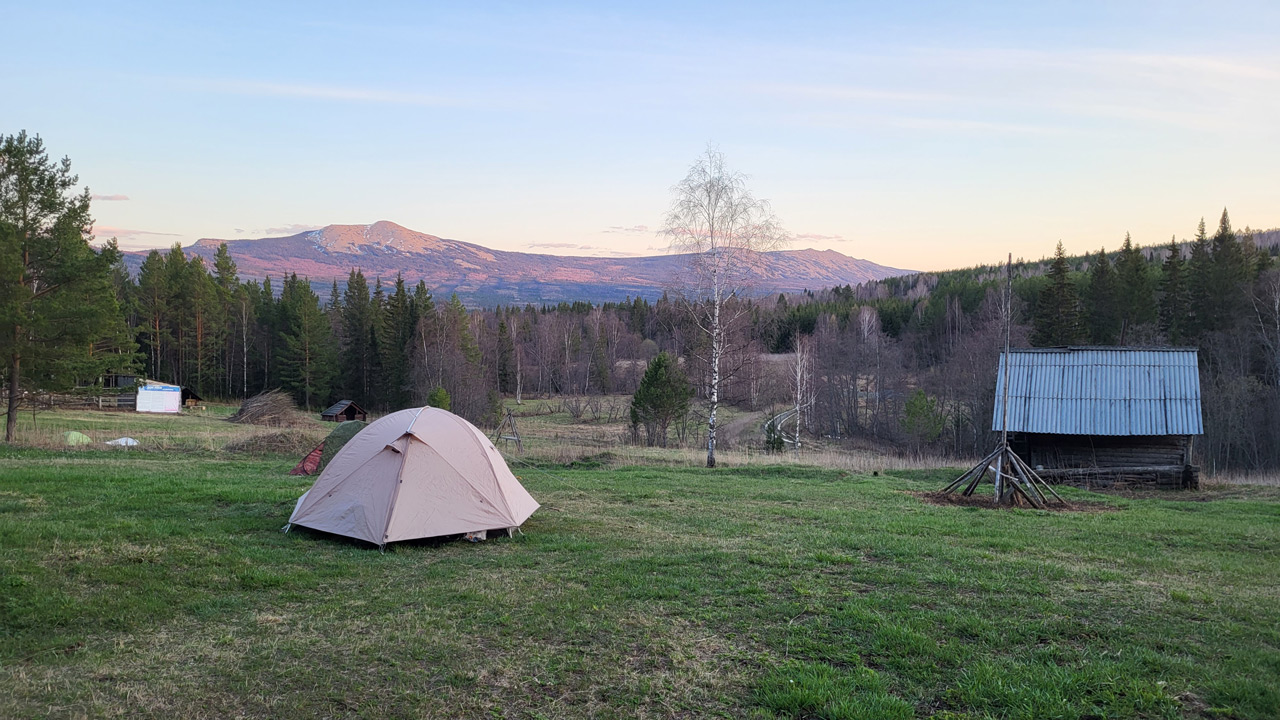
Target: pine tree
175,286
204,317
662,397
57,301
1057,320
1102,302
1173,296
152,296
1137,302
225,318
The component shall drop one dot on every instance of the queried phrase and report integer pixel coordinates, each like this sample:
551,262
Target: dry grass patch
281,442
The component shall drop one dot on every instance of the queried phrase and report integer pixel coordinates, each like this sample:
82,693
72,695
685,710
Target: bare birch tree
802,384
716,221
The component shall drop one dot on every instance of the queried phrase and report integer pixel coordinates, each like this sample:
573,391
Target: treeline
382,343
908,362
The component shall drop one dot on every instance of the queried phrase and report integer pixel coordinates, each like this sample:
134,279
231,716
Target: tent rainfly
415,473
316,460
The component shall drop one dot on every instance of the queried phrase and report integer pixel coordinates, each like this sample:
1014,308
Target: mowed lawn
160,585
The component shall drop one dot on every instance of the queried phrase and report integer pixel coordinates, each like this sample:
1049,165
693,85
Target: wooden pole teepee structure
1015,481
512,432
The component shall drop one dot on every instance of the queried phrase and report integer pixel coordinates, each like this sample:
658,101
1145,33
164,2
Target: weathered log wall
1161,461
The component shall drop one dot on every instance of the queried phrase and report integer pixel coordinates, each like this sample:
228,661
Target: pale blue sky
921,135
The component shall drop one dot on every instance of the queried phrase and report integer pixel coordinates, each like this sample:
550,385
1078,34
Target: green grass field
159,585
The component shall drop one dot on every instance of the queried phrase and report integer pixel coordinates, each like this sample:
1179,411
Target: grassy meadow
158,584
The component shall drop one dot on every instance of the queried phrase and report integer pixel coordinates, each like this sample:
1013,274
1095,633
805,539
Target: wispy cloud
108,198
279,230
131,239
291,229
972,126
104,231
331,92
1043,92
633,230
588,250
848,92
820,237
561,246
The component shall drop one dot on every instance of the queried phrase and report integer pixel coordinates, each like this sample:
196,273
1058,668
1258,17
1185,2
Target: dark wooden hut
342,411
1104,416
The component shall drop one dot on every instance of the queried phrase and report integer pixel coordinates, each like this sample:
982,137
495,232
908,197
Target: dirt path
750,423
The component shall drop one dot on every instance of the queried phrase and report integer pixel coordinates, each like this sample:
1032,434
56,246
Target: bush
663,396
773,441
439,398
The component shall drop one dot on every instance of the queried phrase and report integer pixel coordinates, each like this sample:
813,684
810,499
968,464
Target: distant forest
907,363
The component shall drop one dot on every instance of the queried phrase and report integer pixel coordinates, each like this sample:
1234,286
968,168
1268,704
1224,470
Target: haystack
274,408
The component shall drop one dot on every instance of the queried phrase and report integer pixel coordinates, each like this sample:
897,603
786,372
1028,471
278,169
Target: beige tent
415,473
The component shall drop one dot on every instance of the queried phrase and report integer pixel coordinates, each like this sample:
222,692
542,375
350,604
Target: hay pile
273,408
283,442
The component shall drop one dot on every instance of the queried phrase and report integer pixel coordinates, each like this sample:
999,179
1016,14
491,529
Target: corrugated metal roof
340,406
1101,391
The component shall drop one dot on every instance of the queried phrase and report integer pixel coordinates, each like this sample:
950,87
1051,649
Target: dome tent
416,473
320,456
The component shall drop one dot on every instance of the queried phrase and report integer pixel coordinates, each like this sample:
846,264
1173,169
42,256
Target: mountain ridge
484,276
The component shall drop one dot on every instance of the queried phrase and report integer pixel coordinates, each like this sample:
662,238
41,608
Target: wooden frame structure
1022,485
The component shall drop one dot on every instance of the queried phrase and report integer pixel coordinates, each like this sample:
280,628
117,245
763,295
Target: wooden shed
1104,416
343,411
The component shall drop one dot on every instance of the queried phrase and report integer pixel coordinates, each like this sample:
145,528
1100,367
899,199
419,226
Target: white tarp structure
123,442
159,398
415,473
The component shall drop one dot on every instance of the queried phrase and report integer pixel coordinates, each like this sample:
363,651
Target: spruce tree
1173,296
1102,302
357,326
397,331
306,349
376,395
1230,279
1199,286
1057,320
1136,296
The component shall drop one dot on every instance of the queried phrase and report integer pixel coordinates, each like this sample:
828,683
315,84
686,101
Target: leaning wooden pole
1004,373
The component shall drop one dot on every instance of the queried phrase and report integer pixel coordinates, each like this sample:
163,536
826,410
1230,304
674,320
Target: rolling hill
481,276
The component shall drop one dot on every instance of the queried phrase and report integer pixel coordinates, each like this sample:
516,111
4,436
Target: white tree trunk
717,347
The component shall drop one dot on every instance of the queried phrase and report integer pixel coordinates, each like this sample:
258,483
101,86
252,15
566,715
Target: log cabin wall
1101,451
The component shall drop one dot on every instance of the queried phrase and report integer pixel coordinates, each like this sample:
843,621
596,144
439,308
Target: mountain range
481,276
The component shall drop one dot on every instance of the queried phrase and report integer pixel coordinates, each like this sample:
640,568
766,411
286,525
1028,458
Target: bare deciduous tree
720,225
802,384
